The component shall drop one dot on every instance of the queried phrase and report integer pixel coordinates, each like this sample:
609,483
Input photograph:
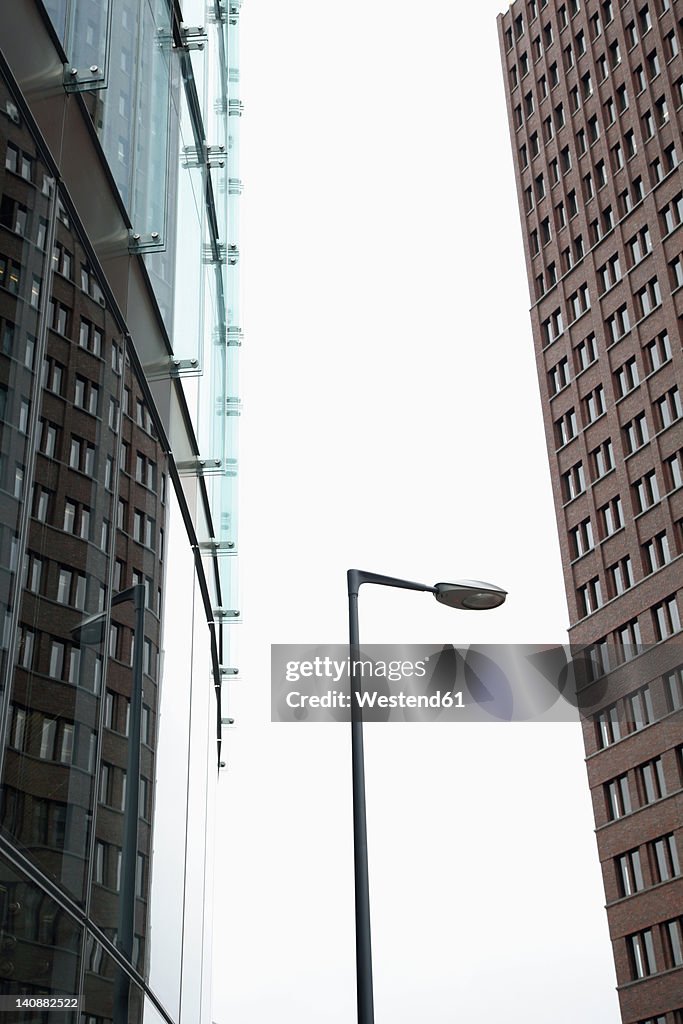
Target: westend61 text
372,699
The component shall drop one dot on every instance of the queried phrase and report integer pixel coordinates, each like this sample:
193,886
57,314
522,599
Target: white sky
392,423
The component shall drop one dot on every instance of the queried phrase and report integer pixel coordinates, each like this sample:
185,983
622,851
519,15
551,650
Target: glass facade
119,405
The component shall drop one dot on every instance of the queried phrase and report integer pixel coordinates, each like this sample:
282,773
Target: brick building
595,104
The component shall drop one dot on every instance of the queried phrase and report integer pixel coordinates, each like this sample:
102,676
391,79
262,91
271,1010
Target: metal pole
129,855
366,1013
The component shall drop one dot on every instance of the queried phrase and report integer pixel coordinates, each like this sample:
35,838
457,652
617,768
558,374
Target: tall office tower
595,104
119,340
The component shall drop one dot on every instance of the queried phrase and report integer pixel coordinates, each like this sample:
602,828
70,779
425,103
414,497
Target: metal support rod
366,1013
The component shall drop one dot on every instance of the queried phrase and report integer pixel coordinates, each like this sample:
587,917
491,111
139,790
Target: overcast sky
392,422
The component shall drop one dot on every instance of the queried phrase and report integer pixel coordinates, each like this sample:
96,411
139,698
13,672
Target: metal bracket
150,242
207,156
235,108
184,367
216,546
200,467
223,614
214,252
235,336
194,37
82,79
225,671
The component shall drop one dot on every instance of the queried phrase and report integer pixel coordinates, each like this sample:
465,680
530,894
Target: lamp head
472,595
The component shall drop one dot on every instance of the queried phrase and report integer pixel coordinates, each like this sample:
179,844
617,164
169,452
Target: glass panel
108,992
41,944
150,160
87,43
49,774
115,121
25,214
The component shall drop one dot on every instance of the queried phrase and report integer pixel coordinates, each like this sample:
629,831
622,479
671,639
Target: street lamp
471,595
92,631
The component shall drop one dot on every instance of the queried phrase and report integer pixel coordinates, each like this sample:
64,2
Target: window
629,873
529,104
573,482
665,858
586,352
674,689
90,337
601,174
661,112
653,65
622,98
553,327
558,376
548,129
82,456
602,459
59,317
601,67
618,798
41,503
676,272
615,54
609,273
656,171
619,323
559,116
631,35
608,218
646,491
639,246
566,160
648,298
581,538
565,428
656,552
673,469
47,439
568,57
641,954
52,376
77,518
617,159
636,433
588,190
594,404
639,79
648,125
626,377
608,727
668,408
589,597
580,41
639,709
595,26
519,26
671,47
621,575
666,618
540,186
587,85
579,302
523,156
650,781
670,158
593,129
144,529
611,516
533,242
672,214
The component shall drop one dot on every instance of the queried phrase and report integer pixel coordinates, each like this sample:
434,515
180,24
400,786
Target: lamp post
91,631
466,594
